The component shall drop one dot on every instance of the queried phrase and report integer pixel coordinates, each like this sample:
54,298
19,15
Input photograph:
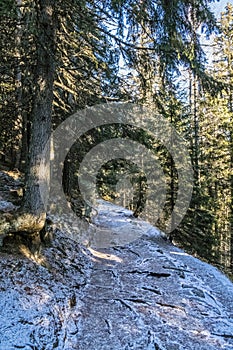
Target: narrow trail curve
139,292
148,294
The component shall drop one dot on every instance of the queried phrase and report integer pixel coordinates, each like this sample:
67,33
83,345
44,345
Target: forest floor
128,288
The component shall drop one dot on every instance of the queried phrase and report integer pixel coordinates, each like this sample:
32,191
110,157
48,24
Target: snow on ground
133,290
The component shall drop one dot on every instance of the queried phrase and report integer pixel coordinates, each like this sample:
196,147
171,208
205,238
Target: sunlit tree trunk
32,215
42,109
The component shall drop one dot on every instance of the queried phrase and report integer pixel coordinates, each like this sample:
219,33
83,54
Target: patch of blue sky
217,7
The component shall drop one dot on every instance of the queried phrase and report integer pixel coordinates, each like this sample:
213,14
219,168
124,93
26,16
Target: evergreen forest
174,57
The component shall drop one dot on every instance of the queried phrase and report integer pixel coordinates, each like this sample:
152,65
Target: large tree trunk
31,217
42,111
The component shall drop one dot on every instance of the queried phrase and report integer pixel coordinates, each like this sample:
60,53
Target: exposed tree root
26,225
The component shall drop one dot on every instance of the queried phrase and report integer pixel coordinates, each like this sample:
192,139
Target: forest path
131,289
148,294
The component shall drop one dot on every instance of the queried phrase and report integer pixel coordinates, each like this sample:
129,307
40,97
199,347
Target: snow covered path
149,294
145,294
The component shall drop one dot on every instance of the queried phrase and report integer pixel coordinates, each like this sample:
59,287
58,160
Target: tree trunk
32,214
231,178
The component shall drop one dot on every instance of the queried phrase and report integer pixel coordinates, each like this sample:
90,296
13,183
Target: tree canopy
61,56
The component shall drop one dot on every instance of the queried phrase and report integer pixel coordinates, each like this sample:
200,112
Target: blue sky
218,7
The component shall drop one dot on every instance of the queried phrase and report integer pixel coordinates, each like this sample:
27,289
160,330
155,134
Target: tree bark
42,110
31,216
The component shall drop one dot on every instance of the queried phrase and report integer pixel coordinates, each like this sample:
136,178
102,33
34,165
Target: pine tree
167,37
31,217
209,220
220,135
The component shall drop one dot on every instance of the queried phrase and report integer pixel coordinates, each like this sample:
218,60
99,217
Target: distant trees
207,227
226,56
10,86
217,138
